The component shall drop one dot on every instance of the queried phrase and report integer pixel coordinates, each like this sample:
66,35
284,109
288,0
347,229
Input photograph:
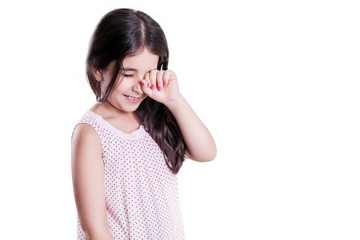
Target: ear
98,75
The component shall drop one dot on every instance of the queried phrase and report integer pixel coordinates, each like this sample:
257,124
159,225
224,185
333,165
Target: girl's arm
199,142
164,88
88,182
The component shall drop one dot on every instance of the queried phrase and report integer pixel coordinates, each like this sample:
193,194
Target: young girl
128,148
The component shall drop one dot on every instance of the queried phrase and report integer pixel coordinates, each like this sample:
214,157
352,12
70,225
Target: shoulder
84,131
85,139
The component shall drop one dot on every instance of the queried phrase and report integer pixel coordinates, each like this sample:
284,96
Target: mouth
133,99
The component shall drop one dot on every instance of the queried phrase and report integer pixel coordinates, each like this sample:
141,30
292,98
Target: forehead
144,61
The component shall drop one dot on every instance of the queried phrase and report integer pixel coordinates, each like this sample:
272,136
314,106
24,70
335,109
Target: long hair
125,32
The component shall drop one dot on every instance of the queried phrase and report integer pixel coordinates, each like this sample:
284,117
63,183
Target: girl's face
127,95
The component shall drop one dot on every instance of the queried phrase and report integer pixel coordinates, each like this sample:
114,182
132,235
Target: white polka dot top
141,191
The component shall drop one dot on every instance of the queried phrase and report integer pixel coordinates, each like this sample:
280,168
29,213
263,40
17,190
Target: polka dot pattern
141,192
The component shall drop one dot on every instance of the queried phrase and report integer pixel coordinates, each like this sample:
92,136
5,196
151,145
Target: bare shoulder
84,132
85,142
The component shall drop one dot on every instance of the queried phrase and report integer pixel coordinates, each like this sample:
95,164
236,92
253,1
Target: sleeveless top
141,192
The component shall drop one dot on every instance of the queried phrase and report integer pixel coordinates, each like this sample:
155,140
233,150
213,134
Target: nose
137,87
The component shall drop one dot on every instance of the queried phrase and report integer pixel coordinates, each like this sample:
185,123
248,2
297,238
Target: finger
145,86
144,83
168,76
159,80
152,76
147,79
147,91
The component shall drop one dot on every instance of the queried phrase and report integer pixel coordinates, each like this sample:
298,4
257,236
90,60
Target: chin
132,108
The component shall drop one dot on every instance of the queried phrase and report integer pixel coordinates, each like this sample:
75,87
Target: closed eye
127,75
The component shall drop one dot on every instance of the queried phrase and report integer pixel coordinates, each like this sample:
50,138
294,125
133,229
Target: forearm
199,142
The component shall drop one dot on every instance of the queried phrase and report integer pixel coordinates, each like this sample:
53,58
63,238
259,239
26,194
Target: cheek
116,93
120,87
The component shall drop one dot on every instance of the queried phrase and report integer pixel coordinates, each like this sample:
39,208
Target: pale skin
139,80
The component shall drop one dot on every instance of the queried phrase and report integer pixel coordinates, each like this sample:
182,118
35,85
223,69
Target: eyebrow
129,69
133,69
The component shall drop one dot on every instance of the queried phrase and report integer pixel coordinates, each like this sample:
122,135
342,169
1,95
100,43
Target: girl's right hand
162,86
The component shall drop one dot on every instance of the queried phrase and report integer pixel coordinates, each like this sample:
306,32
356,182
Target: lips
132,99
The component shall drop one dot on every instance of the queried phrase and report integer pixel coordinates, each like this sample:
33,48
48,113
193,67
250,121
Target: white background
276,82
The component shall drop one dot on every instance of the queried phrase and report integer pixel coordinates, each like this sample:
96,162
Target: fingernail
159,88
152,86
142,83
164,84
148,84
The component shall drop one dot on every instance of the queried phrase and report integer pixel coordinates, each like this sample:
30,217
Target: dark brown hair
125,32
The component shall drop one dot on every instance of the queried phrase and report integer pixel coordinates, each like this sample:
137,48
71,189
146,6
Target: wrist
172,105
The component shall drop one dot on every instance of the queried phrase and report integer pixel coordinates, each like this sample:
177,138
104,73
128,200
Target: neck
108,110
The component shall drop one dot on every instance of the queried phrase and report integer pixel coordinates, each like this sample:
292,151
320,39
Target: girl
128,148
